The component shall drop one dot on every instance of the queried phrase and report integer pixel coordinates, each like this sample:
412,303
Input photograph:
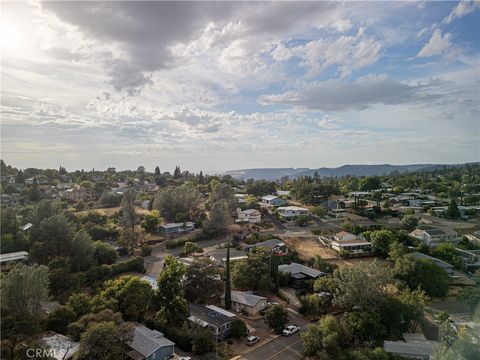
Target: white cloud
437,45
463,8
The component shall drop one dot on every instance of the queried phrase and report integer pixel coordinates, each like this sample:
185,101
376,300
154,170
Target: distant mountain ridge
354,170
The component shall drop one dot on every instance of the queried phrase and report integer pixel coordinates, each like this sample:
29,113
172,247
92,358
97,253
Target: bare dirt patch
307,246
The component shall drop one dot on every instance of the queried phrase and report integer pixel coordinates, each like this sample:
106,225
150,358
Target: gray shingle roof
146,341
411,348
245,297
295,268
209,315
438,262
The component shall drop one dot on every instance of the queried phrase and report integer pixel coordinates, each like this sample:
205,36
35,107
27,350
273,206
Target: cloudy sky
226,85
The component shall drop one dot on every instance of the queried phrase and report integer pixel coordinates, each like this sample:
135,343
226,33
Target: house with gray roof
440,263
299,273
246,302
415,346
435,237
149,345
213,318
272,245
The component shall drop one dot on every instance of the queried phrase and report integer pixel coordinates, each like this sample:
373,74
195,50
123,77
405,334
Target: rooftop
208,315
269,244
176,225
146,341
64,347
15,256
292,208
245,297
438,262
295,269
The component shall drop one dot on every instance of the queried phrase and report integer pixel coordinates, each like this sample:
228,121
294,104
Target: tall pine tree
228,288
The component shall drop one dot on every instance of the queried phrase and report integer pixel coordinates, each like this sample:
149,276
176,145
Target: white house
434,237
173,228
290,212
272,200
355,246
246,302
252,216
344,236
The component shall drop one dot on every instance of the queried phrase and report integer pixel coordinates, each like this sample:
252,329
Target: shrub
238,328
146,250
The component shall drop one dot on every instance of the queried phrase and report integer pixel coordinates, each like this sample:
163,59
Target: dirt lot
112,210
307,246
355,261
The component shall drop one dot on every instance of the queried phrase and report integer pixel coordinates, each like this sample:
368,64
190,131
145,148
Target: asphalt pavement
282,348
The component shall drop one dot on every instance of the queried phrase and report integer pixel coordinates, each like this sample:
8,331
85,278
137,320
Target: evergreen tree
177,172
228,289
34,194
201,178
157,171
453,212
20,178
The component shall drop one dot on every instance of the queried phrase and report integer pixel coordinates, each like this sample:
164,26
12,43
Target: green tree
324,339
238,328
228,284
220,217
363,327
105,253
80,303
446,252
83,251
33,193
60,318
191,247
172,201
132,294
276,318
254,272
470,296
381,240
171,294
410,222
23,290
151,221
201,280
130,215
105,340
423,274
363,285
452,211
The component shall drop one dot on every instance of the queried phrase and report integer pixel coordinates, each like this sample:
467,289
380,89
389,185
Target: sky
216,86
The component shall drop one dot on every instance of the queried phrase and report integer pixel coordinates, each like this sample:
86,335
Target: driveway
278,224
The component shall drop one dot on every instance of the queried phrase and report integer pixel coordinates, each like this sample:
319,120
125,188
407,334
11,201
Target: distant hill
355,170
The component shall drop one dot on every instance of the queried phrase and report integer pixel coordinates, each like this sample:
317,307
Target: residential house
246,302
272,245
299,273
8,258
344,236
9,200
56,346
213,318
434,237
355,247
240,198
470,258
291,212
149,345
283,193
79,194
273,200
415,346
175,228
251,216
449,269
41,180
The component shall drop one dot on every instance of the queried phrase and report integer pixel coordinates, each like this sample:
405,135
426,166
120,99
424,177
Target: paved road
274,221
284,348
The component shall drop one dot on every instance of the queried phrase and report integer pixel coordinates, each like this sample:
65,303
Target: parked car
290,330
185,358
252,340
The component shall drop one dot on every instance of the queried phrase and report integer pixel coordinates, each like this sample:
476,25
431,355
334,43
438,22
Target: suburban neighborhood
184,269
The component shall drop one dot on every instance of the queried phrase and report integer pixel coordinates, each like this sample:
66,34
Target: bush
173,243
181,338
276,318
191,247
146,250
238,328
